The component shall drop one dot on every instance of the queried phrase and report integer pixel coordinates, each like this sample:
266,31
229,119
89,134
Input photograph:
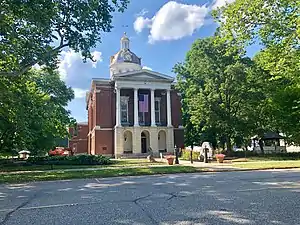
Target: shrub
242,154
186,155
70,160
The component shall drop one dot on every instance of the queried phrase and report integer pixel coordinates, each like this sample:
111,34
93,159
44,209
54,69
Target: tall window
124,109
142,118
157,110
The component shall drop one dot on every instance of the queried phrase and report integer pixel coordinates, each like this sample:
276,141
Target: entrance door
143,143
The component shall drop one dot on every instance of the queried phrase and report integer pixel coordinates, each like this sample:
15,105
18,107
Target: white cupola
124,60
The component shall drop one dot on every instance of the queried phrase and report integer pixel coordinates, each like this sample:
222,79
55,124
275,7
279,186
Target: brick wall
104,142
78,141
176,109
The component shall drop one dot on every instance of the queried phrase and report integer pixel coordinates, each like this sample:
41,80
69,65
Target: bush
242,154
273,156
186,155
282,156
70,160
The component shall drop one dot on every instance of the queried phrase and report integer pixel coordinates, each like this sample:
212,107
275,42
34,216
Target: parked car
59,151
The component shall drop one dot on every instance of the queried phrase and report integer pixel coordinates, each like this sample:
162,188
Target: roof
82,123
272,135
125,55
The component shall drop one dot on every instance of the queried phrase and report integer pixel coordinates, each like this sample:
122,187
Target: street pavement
252,197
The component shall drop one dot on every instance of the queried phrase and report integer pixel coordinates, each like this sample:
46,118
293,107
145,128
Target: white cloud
97,57
70,58
146,68
219,3
142,13
140,23
79,93
173,21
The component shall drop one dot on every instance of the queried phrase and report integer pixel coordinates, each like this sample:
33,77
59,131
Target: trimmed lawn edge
85,174
119,172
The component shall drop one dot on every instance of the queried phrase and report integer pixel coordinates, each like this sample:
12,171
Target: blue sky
160,31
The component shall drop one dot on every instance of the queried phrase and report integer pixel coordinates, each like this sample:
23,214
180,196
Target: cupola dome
124,60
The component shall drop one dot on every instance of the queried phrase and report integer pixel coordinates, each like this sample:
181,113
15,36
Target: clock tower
124,60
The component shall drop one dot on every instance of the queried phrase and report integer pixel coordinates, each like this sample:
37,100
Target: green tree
276,26
32,112
220,91
191,132
34,32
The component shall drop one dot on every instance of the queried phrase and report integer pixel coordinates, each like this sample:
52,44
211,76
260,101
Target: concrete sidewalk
213,166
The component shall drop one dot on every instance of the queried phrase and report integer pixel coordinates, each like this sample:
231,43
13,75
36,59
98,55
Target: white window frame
126,100
157,99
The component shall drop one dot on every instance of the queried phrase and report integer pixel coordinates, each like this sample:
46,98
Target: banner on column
143,103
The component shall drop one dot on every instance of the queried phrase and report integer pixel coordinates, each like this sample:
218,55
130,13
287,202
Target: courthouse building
132,110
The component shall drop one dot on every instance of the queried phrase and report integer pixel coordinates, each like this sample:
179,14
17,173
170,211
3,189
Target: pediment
144,75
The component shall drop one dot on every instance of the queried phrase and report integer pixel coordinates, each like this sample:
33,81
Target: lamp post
176,155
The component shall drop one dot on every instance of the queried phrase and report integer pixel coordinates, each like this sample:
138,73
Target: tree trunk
261,145
192,154
228,145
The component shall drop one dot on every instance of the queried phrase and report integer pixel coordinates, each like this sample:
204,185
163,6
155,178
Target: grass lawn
109,172
115,163
259,164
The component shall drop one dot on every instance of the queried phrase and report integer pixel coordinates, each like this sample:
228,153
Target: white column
136,108
169,115
118,100
152,108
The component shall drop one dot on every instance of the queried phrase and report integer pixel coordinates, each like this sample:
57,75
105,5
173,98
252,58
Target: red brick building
79,142
133,110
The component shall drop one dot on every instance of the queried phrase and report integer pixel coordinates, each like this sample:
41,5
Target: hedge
70,160
186,155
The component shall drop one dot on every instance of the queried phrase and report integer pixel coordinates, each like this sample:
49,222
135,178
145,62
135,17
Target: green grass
267,164
112,172
115,163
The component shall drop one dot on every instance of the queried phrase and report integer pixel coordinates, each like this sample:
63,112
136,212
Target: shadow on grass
111,172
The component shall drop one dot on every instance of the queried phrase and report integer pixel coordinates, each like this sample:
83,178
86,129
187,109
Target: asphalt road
258,197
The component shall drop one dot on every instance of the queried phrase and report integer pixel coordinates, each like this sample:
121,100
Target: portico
158,98
143,112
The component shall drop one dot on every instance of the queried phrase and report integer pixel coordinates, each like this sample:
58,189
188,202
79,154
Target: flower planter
170,159
220,158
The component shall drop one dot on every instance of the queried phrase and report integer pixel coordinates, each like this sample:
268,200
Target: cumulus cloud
70,58
140,23
146,68
142,13
173,21
219,3
79,93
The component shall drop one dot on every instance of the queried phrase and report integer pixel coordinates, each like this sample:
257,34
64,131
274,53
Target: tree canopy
32,112
219,90
275,24
236,96
34,32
